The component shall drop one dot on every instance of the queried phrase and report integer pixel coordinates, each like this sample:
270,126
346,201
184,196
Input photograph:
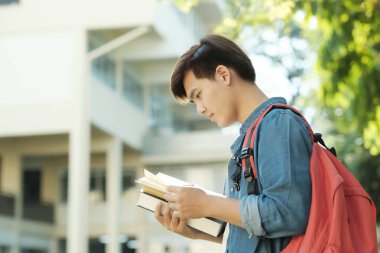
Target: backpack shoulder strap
248,166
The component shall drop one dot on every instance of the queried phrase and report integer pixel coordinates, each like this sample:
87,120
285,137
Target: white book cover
207,225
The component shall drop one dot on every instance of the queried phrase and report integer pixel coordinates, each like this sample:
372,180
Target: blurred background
85,106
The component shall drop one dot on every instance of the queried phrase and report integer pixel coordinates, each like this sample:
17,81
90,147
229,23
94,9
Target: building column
114,179
12,184
77,205
79,150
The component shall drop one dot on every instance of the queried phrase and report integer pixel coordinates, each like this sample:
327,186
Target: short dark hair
203,58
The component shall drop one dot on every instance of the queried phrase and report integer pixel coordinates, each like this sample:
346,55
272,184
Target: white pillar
79,151
114,177
77,229
12,173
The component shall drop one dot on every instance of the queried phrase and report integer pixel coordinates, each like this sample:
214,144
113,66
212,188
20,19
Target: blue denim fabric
282,150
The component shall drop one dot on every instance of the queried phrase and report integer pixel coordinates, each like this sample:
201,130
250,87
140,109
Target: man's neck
249,99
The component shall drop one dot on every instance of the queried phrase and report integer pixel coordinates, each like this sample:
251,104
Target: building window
27,250
64,186
160,112
32,186
128,244
132,90
129,177
1,175
62,245
5,249
103,68
98,184
5,2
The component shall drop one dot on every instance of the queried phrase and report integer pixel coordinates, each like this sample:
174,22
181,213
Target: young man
219,78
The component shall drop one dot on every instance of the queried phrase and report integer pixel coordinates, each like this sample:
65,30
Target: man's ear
223,74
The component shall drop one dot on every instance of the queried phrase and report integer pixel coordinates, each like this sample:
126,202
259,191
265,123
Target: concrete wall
46,14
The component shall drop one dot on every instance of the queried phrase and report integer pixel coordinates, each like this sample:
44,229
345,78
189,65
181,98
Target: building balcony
42,212
187,147
7,204
97,218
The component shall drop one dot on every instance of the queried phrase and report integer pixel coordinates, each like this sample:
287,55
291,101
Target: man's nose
201,109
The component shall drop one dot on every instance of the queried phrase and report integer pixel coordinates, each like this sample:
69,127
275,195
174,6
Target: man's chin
224,124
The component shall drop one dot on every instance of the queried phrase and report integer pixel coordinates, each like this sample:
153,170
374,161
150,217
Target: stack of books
153,191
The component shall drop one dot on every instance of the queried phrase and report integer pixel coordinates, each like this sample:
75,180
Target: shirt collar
258,110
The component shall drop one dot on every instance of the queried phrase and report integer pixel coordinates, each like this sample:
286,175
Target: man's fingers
173,206
166,216
158,213
174,223
176,214
171,197
182,223
173,188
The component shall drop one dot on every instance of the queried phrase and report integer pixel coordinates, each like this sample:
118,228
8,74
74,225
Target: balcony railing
104,70
7,204
43,212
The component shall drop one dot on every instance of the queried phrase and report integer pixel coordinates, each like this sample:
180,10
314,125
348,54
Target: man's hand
192,202
163,214
178,225
187,201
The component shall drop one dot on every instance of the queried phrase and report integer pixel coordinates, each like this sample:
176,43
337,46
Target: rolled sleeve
249,212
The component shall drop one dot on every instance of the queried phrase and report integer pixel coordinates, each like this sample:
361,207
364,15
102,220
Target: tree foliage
349,63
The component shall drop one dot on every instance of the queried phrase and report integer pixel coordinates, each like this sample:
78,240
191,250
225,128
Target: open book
153,190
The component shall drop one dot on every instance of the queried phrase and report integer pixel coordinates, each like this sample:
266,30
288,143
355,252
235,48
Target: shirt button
232,189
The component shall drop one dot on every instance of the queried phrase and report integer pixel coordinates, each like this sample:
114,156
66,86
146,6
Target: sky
270,78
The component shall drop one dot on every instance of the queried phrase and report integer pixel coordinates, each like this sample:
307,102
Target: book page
152,184
154,178
161,181
171,180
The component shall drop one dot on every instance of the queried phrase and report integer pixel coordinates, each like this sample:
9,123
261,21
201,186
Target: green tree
349,64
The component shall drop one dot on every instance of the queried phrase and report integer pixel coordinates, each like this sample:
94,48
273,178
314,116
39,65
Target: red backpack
342,215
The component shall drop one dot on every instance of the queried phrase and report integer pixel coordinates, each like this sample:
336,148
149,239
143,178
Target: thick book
153,190
210,226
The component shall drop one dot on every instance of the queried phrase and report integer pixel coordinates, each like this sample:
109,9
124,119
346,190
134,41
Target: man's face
212,98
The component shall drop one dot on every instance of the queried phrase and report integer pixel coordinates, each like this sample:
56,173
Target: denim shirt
282,150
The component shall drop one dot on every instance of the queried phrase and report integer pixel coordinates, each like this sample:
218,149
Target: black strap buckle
248,174
318,138
236,184
246,152
237,174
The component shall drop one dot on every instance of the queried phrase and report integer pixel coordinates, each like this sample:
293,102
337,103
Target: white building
84,107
